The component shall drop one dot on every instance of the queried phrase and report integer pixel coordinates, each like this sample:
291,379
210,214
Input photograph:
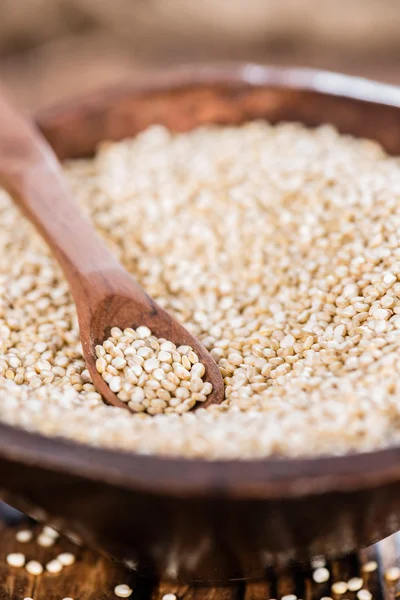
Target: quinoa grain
54,566
24,536
123,591
50,532
364,595
45,541
321,575
66,559
392,574
34,567
354,584
339,588
16,559
370,566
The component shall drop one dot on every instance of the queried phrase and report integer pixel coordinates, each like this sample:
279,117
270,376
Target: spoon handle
30,172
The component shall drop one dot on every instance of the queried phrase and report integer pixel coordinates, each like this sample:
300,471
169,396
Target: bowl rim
260,478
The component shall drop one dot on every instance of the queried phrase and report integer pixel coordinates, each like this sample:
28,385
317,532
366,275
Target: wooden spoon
105,294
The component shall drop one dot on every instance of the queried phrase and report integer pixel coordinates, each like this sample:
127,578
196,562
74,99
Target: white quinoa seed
339,587
34,567
54,566
66,559
321,575
370,566
24,536
392,574
45,540
285,263
354,584
169,597
16,559
364,595
318,562
123,590
50,532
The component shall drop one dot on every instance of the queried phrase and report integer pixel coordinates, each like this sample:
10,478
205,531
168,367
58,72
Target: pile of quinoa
278,246
151,374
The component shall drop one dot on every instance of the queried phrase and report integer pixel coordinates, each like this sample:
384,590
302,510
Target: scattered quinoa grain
54,566
169,597
45,540
318,562
364,595
339,587
66,559
370,566
321,575
16,559
354,584
392,574
34,567
50,532
123,590
24,536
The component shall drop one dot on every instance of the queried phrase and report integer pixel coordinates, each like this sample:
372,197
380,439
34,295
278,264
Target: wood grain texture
94,577
189,519
105,294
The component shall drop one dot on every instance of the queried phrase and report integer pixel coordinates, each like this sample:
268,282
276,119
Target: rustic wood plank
341,569
94,577
91,578
214,593
286,583
185,592
181,591
15,584
259,590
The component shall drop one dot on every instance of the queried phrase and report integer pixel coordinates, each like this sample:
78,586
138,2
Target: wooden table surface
94,577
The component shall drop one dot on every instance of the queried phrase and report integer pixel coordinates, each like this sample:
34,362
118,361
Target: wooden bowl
191,519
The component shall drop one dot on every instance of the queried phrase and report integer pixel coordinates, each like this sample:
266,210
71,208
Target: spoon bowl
127,305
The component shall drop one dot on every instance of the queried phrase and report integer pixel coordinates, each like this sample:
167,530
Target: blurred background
51,50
